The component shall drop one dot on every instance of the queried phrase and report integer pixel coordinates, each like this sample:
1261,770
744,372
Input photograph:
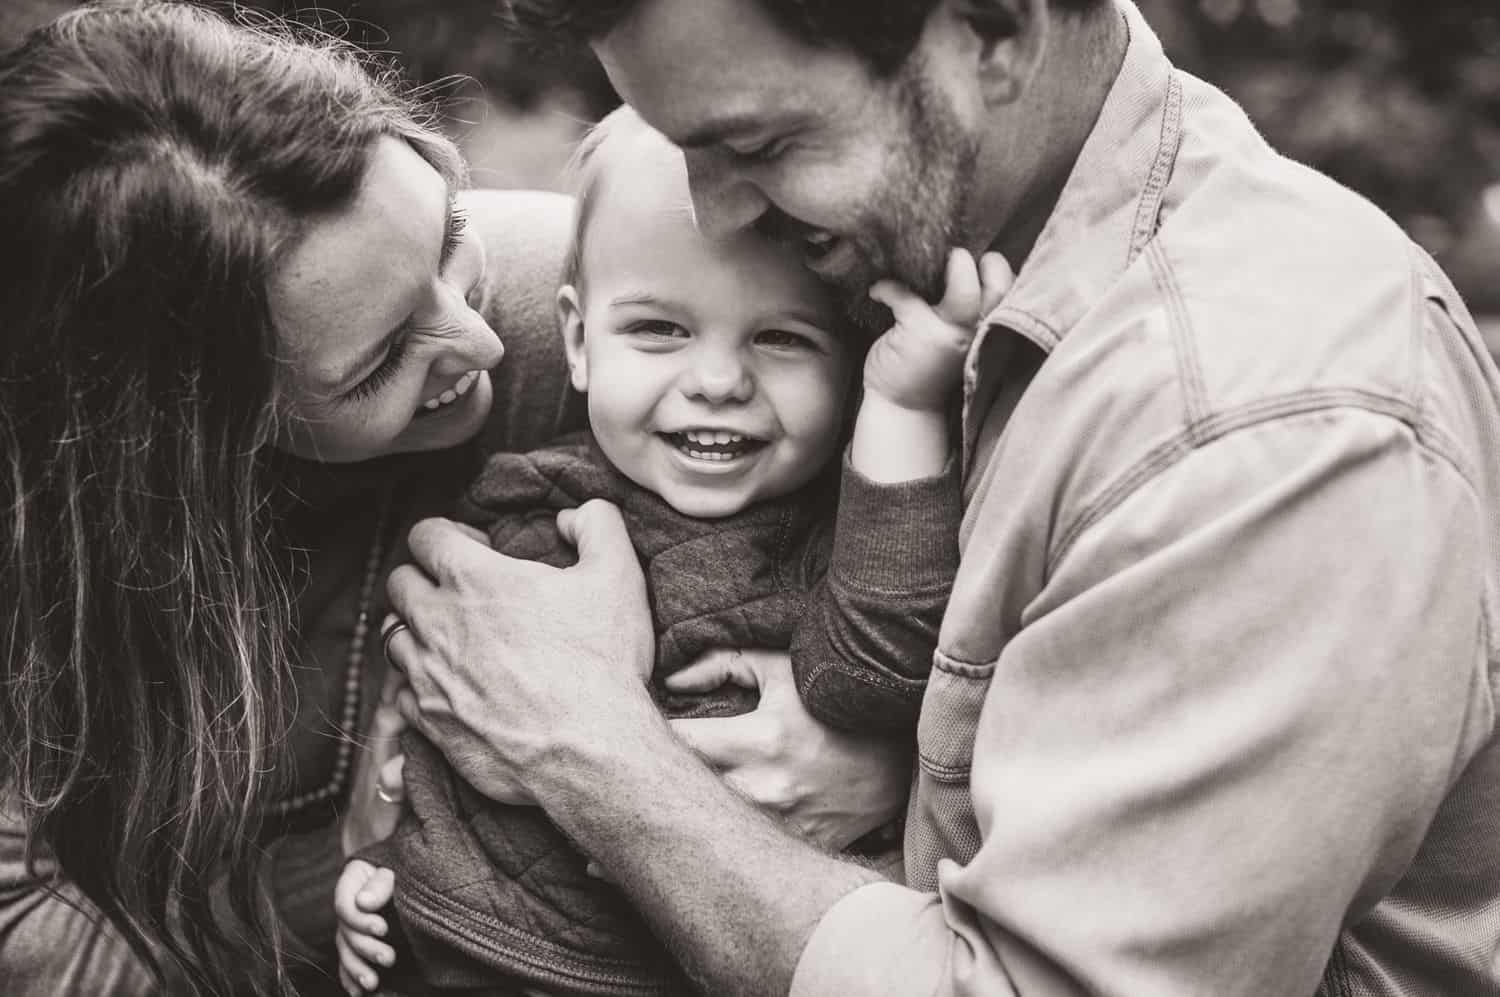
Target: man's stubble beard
917,217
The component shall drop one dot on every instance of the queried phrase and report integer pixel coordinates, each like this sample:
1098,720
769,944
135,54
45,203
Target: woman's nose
474,345
719,377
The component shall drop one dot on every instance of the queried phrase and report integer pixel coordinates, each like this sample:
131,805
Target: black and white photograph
749,498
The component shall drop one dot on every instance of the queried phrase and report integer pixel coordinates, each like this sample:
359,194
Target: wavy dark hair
881,32
156,161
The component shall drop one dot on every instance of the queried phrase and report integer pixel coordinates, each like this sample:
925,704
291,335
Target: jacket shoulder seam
1197,435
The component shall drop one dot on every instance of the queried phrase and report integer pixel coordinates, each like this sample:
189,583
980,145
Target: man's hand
512,662
831,786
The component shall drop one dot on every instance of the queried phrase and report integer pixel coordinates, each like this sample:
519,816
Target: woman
232,260
248,337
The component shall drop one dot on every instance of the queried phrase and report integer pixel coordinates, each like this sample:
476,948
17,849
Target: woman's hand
831,786
377,790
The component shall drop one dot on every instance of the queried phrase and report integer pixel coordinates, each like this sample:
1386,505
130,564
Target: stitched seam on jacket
450,920
942,661
1189,374
1148,211
1168,453
866,676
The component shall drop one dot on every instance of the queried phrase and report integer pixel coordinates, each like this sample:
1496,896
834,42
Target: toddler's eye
657,329
784,340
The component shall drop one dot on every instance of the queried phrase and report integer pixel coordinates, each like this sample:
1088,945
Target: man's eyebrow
345,379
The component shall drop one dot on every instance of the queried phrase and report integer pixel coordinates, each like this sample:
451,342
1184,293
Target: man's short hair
881,33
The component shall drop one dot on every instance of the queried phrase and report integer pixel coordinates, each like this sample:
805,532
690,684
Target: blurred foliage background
1398,99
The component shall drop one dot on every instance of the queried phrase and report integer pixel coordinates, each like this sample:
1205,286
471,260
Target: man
1213,710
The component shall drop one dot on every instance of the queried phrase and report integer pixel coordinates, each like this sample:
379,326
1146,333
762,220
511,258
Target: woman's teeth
460,388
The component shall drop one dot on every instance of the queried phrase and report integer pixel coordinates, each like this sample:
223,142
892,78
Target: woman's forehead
354,275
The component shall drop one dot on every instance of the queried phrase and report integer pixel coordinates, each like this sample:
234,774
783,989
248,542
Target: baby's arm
862,653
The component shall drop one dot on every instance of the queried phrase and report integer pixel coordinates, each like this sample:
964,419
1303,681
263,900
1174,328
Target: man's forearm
731,892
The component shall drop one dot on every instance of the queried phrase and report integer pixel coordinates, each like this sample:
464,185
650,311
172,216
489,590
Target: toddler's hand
362,890
918,362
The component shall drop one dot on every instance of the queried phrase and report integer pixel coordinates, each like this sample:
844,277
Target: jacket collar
1110,203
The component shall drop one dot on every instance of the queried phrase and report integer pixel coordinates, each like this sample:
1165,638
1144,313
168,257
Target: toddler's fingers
995,279
960,304
359,971
371,950
376,892
907,308
351,881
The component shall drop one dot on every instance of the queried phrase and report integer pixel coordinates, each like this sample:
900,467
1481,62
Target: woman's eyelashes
381,375
458,223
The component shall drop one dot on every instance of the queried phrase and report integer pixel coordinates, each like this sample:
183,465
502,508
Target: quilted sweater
493,898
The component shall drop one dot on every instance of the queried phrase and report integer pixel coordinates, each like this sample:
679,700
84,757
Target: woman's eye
381,375
657,329
784,340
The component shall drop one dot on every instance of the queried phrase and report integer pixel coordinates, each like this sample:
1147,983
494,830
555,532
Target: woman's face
381,350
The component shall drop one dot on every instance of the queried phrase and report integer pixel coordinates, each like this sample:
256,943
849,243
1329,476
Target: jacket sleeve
862,652
1221,734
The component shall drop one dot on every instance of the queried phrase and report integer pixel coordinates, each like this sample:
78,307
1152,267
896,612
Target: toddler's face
714,375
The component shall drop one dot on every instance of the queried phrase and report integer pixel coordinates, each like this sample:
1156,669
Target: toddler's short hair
586,170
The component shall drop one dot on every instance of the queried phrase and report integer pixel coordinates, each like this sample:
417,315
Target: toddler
716,373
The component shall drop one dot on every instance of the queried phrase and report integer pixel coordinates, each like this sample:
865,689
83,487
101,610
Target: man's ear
1012,37
570,320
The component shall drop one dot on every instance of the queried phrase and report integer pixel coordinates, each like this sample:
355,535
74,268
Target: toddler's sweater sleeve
862,652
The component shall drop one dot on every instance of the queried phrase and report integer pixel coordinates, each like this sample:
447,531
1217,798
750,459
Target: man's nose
719,377
723,201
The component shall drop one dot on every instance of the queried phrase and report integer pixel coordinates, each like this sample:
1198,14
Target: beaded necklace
354,665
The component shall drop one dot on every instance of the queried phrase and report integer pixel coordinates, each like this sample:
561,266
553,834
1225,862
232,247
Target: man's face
868,177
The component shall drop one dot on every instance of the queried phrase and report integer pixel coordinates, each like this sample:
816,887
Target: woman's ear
570,320
1012,36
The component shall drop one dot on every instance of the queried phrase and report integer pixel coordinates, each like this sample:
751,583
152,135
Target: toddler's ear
570,318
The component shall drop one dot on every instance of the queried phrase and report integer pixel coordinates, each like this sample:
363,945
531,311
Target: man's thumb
596,529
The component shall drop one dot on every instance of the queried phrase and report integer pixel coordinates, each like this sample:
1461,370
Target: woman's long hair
156,162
